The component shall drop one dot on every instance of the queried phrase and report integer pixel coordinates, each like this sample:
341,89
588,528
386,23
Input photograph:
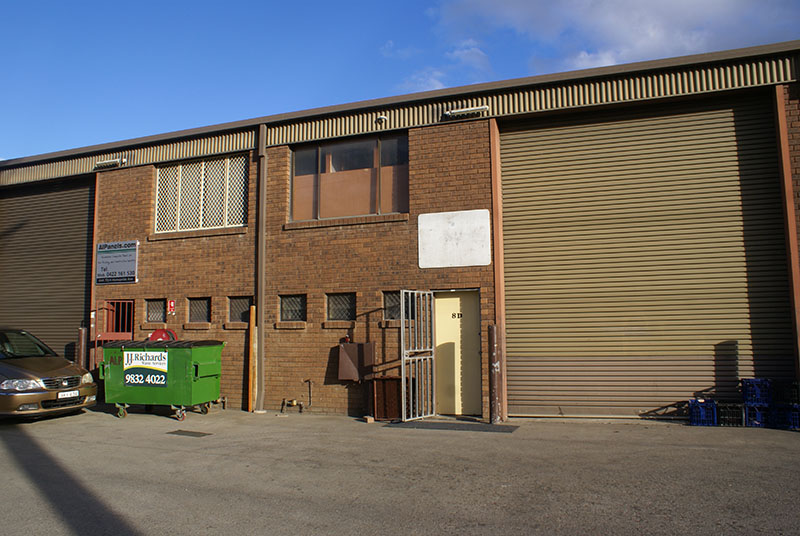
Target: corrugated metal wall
45,259
644,259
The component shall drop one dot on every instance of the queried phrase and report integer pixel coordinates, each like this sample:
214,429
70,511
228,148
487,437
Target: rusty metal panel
644,259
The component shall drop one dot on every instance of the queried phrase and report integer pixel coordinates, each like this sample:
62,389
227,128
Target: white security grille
206,194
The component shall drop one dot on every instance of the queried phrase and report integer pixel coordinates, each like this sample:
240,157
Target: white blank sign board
449,239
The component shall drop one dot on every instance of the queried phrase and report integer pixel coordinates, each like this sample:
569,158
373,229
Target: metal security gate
416,341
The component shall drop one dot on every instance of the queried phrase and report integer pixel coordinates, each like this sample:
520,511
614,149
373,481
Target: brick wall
792,96
188,264
449,170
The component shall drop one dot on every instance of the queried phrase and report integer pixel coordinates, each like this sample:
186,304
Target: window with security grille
293,308
391,305
156,310
239,308
199,309
204,194
342,306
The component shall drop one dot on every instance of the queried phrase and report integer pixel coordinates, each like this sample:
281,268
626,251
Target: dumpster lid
161,344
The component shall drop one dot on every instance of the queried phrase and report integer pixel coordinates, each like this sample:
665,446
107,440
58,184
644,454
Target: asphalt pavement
231,472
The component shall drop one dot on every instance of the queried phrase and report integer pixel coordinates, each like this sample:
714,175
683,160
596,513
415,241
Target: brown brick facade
449,170
792,96
215,264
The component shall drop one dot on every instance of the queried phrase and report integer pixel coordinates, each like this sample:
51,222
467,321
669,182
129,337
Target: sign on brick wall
117,262
449,239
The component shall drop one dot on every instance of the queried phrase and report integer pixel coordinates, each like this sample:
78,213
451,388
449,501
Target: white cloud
468,54
424,80
389,50
573,34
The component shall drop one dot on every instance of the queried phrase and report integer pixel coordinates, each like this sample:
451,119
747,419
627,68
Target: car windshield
22,344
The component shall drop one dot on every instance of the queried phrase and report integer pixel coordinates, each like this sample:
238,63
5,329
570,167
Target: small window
156,310
342,306
293,308
239,308
391,305
352,178
199,309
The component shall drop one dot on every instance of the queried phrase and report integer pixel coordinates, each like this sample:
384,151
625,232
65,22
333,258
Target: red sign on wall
170,306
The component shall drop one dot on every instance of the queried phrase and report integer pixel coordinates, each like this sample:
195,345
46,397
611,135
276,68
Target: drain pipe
261,217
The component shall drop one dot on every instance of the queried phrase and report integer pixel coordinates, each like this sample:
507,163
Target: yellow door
458,358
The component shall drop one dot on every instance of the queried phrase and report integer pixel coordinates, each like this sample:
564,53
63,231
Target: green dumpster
180,374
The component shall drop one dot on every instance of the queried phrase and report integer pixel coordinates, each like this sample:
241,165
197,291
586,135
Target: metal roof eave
461,91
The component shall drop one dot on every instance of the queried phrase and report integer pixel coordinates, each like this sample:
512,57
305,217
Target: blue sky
78,73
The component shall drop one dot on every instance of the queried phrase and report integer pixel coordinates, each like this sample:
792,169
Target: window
293,308
199,309
342,306
391,305
204,194
354,178
156,310
239,308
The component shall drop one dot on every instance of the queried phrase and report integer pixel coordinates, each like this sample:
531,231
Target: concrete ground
230,472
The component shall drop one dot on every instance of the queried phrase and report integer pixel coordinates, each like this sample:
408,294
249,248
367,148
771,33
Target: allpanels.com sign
117,262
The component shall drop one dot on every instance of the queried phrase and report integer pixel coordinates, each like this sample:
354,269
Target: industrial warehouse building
629,231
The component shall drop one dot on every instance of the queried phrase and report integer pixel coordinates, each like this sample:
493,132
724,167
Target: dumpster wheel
121,412
204,408
180,414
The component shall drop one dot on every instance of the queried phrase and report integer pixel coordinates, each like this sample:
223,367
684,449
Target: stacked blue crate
786,405
757,399
702,412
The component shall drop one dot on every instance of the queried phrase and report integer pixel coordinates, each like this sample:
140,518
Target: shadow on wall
69,351
245,370
764,244
79,508
726,371
445,363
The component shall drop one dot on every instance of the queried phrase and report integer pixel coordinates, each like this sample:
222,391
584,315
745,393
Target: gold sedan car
34,381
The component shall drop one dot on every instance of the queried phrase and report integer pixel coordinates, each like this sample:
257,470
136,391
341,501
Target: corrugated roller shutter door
45,259
644,260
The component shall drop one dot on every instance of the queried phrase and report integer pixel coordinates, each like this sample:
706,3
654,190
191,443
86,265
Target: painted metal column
261,261
499,271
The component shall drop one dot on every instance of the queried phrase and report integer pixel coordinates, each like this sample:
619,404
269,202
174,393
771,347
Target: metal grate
119,316
342,306
62,382
191,196
391,305
293,308
205,194
199,309
237,191
239,308
214,193
167,196
63,403
156,310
